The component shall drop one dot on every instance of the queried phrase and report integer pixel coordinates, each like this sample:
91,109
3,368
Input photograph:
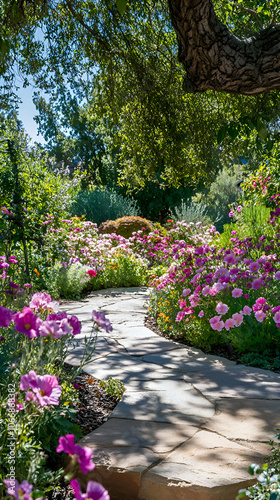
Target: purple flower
186,291
277,275
237,292
6,316
101,322
256,284
77,453
45,388
201,314
254,267
95,491
13,285
19,491
2,339
26,322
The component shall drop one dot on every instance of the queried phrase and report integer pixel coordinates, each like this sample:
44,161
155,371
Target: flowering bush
36,392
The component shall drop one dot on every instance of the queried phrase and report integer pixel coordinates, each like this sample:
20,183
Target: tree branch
249,11
215,59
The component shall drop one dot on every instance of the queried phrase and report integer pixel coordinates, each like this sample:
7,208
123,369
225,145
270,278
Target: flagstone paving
189,424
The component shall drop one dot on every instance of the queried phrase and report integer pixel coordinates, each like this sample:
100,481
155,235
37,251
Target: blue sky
26,113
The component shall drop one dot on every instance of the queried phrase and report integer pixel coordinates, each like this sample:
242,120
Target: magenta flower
261,301
201,314
101,321
19,491
95,491
246,296
246,311
256,284
26,322
239,208
45,388
260,315
6,316
221,308
77,454
230,323
180,316
237,318
75,324
237,292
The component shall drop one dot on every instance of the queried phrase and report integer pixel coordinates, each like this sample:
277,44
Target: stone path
189,424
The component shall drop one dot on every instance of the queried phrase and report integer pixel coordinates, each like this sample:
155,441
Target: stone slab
189,360
237,382
184,405
126,368
142,346
158,437
246,419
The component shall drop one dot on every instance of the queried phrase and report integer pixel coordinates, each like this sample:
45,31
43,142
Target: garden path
189,424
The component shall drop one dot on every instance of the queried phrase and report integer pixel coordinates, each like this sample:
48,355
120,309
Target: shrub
193,212
125,226
101,205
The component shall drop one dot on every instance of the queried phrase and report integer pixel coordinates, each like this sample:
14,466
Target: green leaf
121,6
221,134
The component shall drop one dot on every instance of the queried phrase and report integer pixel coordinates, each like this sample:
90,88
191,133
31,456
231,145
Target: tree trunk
215,59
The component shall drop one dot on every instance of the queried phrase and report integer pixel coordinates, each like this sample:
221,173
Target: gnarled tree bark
215,59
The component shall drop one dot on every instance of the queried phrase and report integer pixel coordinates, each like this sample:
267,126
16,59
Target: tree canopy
115,86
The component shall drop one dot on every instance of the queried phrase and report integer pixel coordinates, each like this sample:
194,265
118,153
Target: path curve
189,424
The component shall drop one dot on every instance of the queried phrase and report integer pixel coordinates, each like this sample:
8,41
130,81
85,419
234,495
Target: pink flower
216,323
239,208
221,308
41,301
45,388
186,292
230,323
77,453
237,292
6,316
180,316
260,315
261,301
246,311
49,327
95,491
256,284
26,322
276,318
206,290
237,318
19,491
201,314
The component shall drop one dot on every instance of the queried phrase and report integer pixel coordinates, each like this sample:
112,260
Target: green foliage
70,281
113,387
103,204
222,193
193,212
